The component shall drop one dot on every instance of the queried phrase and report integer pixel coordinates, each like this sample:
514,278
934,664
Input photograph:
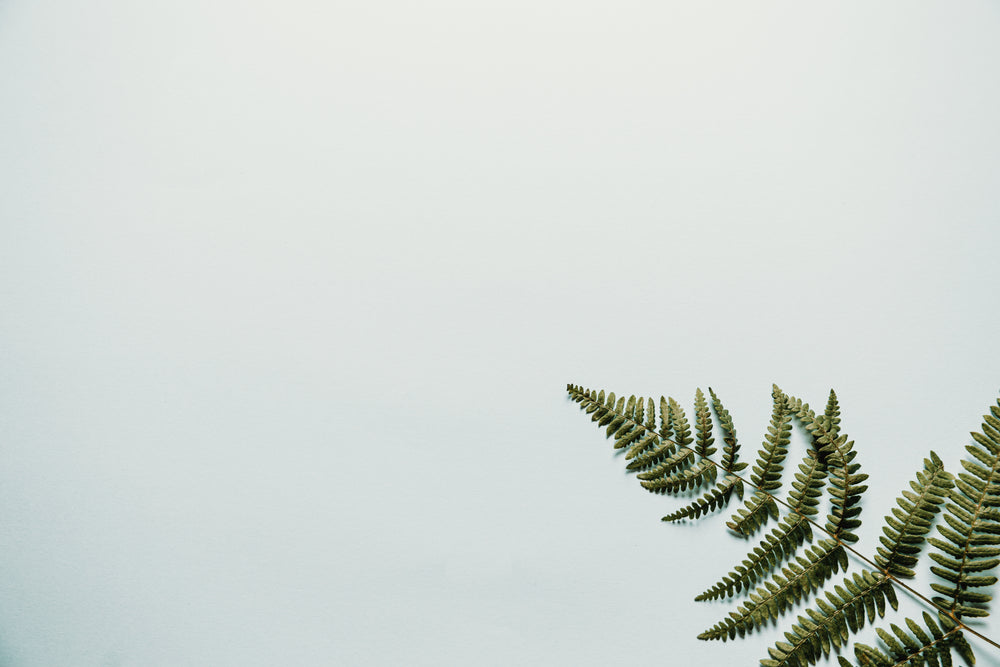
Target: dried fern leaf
656,456
838,453
782,542
703,426
843,612
766,472
712,501
904,530
775,548
627,421
678,461
795,582
700,473
649,438
931,643
756,511
679,422
972,535
730,451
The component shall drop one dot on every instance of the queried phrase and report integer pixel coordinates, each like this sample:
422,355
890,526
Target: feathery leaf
972,535
782,542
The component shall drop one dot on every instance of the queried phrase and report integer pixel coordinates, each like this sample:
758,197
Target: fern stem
860,556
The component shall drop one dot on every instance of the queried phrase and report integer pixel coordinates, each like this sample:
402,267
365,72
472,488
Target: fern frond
838,452
644,444
776,547
654,446
904,531
831,416
700,473
782,542
730,452
666,421
844,611
669,465
679,460
648,436
766,472
931,644
628,426
756,511
808,485
679,423
671,459
713,500
679,472
655,456
628,422
796,581
844,608
703,426
973,532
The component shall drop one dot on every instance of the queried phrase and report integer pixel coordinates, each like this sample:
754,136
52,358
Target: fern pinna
797,559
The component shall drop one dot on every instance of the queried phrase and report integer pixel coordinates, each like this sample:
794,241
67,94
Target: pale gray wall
290,293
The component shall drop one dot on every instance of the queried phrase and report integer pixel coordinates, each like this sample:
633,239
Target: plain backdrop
290,294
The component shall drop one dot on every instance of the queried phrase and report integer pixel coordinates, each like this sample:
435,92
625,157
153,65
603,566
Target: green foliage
972,536
783,541
796,560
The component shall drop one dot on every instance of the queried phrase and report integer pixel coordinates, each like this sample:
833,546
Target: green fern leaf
666,421
972,537
775,548
766,472
670,459
624,421
654,447
703,426
931,643
782,542
730,452
713,500
843,612
648,438
679,422
660,455
756,511
838,452
680,472
796,581
700,473
904,531
676,462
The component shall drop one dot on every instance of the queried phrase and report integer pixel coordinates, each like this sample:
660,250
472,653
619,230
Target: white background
291,292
